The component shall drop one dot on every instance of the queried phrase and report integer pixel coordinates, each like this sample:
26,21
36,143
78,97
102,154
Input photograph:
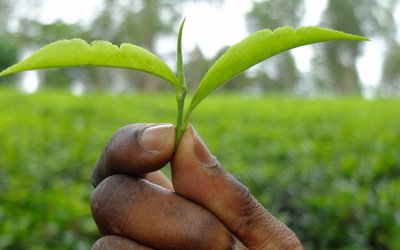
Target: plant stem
180,124
181,93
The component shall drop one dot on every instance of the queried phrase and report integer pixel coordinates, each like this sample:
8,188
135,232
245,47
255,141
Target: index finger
136,150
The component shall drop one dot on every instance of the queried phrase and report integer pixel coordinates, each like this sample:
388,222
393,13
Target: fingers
154,216
136,150
198,176
113,242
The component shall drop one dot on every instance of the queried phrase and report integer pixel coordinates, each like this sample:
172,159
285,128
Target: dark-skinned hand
204,207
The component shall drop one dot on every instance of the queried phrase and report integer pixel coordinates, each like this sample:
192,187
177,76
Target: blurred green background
319,148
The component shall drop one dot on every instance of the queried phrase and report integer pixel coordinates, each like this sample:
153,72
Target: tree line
144,22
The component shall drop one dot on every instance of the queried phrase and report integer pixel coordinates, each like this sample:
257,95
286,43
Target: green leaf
76,52
258,47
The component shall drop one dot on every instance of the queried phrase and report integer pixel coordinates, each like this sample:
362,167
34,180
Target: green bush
328,168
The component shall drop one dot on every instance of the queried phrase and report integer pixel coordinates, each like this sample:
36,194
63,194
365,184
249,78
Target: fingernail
202,152
153,139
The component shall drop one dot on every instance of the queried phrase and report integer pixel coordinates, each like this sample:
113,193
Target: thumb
198,176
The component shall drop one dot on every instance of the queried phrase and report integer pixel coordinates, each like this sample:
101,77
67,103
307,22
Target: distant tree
390,85
335,63
5,8
283,76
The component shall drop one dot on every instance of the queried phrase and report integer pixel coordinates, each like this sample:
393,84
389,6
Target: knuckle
108,202
251,213
262,229
258,229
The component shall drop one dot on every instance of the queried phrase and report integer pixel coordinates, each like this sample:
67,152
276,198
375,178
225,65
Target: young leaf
76,52
181,94
258,47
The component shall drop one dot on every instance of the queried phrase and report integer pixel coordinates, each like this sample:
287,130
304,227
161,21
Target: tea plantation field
328,168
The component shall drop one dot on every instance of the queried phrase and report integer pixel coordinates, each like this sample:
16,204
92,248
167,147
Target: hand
136,207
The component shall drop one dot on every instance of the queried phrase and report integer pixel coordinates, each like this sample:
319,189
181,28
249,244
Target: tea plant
254,49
